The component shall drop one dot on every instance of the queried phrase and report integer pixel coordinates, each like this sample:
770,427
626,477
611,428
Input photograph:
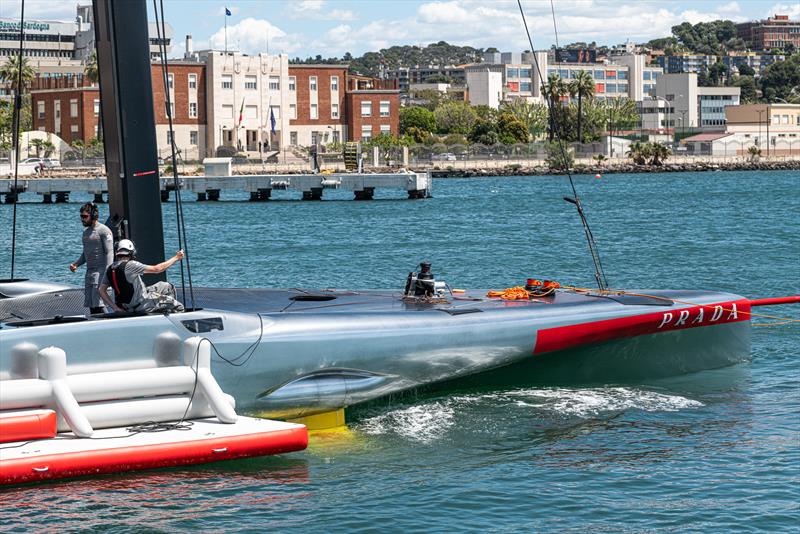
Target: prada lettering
699,316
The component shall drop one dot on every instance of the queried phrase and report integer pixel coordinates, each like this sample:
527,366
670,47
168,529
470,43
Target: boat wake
429,422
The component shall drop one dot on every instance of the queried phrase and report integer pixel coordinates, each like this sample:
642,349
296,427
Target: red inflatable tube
27,425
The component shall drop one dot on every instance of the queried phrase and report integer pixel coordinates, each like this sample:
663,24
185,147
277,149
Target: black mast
126,94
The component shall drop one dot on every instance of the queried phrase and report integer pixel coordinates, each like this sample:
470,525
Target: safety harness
123,290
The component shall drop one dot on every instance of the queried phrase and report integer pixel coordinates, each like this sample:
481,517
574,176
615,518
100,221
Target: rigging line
182,239
16,125
600,275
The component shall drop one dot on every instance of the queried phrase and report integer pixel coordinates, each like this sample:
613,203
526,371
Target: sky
332,27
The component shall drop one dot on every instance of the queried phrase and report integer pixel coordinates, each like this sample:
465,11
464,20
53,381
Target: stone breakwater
522,170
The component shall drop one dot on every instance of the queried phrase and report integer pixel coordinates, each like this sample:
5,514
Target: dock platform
208,188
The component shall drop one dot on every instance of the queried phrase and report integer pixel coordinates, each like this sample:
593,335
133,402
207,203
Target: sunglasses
84,215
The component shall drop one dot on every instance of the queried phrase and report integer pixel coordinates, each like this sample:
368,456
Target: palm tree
553,90
90,70
9,72
620,112
581,86
659,153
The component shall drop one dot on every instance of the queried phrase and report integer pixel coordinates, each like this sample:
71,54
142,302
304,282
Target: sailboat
291,353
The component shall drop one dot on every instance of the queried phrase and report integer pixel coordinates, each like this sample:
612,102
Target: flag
272,121
228,12
241,112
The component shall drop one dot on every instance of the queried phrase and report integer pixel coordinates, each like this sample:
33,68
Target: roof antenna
599,274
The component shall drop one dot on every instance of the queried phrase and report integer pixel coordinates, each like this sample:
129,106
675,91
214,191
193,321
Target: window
611,75
366,109
524,73
334,83
601,75
73,128
292,83
292,111
96,107
193,81
57,108
312,83
366,132
251,112
292,138
250,82
386,129
274,83
512,73
193,137
525,86
334,111
227,110
646,75
73,107
227,81
169,137
314,112
622,75
169,110
171,81
40,108
384,109
193,109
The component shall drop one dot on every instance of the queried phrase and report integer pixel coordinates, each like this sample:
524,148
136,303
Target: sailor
130,293
98,253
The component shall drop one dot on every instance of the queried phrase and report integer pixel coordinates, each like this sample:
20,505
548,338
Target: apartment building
68,107
317,104
406,76
372,108
701,63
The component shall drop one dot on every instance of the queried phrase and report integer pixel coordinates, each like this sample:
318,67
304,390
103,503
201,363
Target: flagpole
226,30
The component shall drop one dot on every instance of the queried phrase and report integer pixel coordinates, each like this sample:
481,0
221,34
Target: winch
424,284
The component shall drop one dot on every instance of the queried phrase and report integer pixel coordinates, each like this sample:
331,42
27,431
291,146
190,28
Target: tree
581,86
553,90
559,157
90,70
455,117
532,114
781,79
748,86
716,72
9,72
658,153
385,144
483,132
422,119
511,130
639,152
745,70
621,114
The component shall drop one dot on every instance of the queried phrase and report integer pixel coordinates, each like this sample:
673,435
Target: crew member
124,276
98,253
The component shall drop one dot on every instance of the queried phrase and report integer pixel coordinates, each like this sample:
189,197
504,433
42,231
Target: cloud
39,10
250,36
314,9
730,7
793,10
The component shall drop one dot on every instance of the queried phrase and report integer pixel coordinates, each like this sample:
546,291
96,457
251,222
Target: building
406,76
699,63
250,100
317,104
485,87
417,92
775,32
372,108
678,104
69,106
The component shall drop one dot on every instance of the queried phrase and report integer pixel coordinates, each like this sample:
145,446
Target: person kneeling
130,293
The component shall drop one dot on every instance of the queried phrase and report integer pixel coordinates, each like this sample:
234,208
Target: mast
126,94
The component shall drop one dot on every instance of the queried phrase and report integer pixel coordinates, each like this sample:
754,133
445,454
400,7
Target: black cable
180,221
15,124
247,353
599,275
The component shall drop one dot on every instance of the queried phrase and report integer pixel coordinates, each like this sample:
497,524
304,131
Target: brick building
317,104
372,108
775,32
70,107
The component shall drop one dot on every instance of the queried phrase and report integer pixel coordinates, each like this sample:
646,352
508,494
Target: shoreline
618,168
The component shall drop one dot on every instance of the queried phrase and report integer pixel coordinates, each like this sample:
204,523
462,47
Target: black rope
15,122
600,275
180,220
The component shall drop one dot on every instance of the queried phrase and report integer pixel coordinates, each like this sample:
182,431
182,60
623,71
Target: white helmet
125,246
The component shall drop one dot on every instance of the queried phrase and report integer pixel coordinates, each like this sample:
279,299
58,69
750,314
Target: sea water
713,451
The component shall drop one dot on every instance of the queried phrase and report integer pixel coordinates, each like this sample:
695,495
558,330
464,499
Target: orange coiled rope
510,293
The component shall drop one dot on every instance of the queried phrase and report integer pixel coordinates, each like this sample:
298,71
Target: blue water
713,451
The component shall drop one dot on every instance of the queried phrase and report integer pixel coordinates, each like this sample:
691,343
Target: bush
556,156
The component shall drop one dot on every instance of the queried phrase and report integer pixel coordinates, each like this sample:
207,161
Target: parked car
52,163
31,161
448,156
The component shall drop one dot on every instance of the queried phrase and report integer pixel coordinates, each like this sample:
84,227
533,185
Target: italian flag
241,112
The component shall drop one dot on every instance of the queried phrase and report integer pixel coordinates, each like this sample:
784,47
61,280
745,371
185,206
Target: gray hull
288,353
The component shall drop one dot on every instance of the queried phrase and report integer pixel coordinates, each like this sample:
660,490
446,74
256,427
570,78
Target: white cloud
250,36
39,10
730,7
793,10
314,9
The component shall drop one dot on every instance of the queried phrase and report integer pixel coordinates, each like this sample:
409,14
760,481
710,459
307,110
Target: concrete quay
416,184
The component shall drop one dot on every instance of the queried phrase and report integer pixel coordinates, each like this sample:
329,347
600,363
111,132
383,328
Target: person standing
98,254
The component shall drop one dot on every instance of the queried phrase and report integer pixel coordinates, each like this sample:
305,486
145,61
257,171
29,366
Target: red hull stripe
24,426
565,337
121,459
